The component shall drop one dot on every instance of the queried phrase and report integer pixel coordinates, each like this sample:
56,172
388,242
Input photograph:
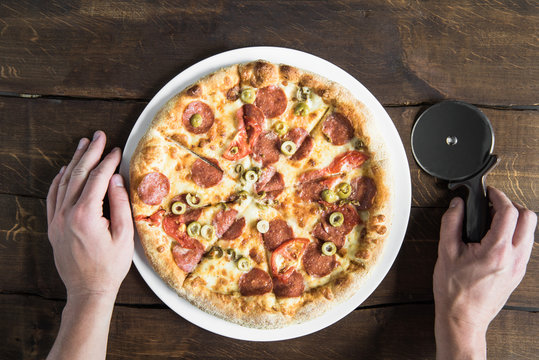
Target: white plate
402,190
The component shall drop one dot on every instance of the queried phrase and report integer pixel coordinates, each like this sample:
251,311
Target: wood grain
39,136
27,256
377,332
405,52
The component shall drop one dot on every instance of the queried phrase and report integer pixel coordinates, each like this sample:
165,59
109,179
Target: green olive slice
238,168
243,264
336,219
234,150
193,200
178,208
207,231
242,195
250,176
288,148
329,196
329,248
215,252
196,120
231,254
193,229
343,190
261,206
301,109
262,226
248,95
303,93
280,128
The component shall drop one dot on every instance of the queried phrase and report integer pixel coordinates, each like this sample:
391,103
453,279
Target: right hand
473,281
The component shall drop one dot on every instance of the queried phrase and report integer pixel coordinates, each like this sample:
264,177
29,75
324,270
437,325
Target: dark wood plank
405,52
39,136
30,325
27,256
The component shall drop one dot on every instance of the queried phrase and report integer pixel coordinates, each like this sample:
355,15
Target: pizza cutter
453,141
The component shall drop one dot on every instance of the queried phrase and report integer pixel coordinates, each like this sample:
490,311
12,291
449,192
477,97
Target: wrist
459,339
91,299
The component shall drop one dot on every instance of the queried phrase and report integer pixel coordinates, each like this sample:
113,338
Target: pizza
261,194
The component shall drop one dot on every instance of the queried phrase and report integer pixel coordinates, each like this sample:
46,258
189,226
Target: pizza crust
218,90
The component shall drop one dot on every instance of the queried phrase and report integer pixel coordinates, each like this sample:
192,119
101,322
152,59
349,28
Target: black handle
477,215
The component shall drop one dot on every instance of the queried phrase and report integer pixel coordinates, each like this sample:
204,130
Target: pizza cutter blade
453,141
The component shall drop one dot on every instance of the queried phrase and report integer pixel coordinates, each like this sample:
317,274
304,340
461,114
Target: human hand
91,253
473,281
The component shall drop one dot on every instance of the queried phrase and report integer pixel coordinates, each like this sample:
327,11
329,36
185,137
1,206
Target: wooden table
68,68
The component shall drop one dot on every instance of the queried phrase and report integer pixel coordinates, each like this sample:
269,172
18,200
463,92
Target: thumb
120,212
451,228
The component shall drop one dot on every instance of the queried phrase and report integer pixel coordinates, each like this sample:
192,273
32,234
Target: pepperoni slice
204,174
154,219
297,135
271,100
267,148
153,188
278,233
187,257
316,263
270,182
223,220
252,117
304,143
338,129
250,123
255,282
235,230
326,232
363,191
264,178
304,149
198,107
337,238
311,190
292,287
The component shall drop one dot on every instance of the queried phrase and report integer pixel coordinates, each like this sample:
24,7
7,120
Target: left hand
92,254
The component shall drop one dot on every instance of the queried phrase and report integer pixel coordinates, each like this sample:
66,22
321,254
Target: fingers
524,232
504,220
451,228
120,212
98,179
52,194
81,170
64,181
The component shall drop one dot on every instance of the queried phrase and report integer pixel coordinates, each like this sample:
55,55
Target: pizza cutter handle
477,218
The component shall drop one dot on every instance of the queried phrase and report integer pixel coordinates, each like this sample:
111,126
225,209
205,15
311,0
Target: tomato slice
242,145
154,219
346,161
285,259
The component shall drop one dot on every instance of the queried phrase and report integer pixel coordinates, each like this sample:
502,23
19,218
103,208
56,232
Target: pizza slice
176,242
167,176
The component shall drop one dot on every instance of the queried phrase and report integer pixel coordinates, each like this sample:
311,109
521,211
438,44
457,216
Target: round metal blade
452,140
